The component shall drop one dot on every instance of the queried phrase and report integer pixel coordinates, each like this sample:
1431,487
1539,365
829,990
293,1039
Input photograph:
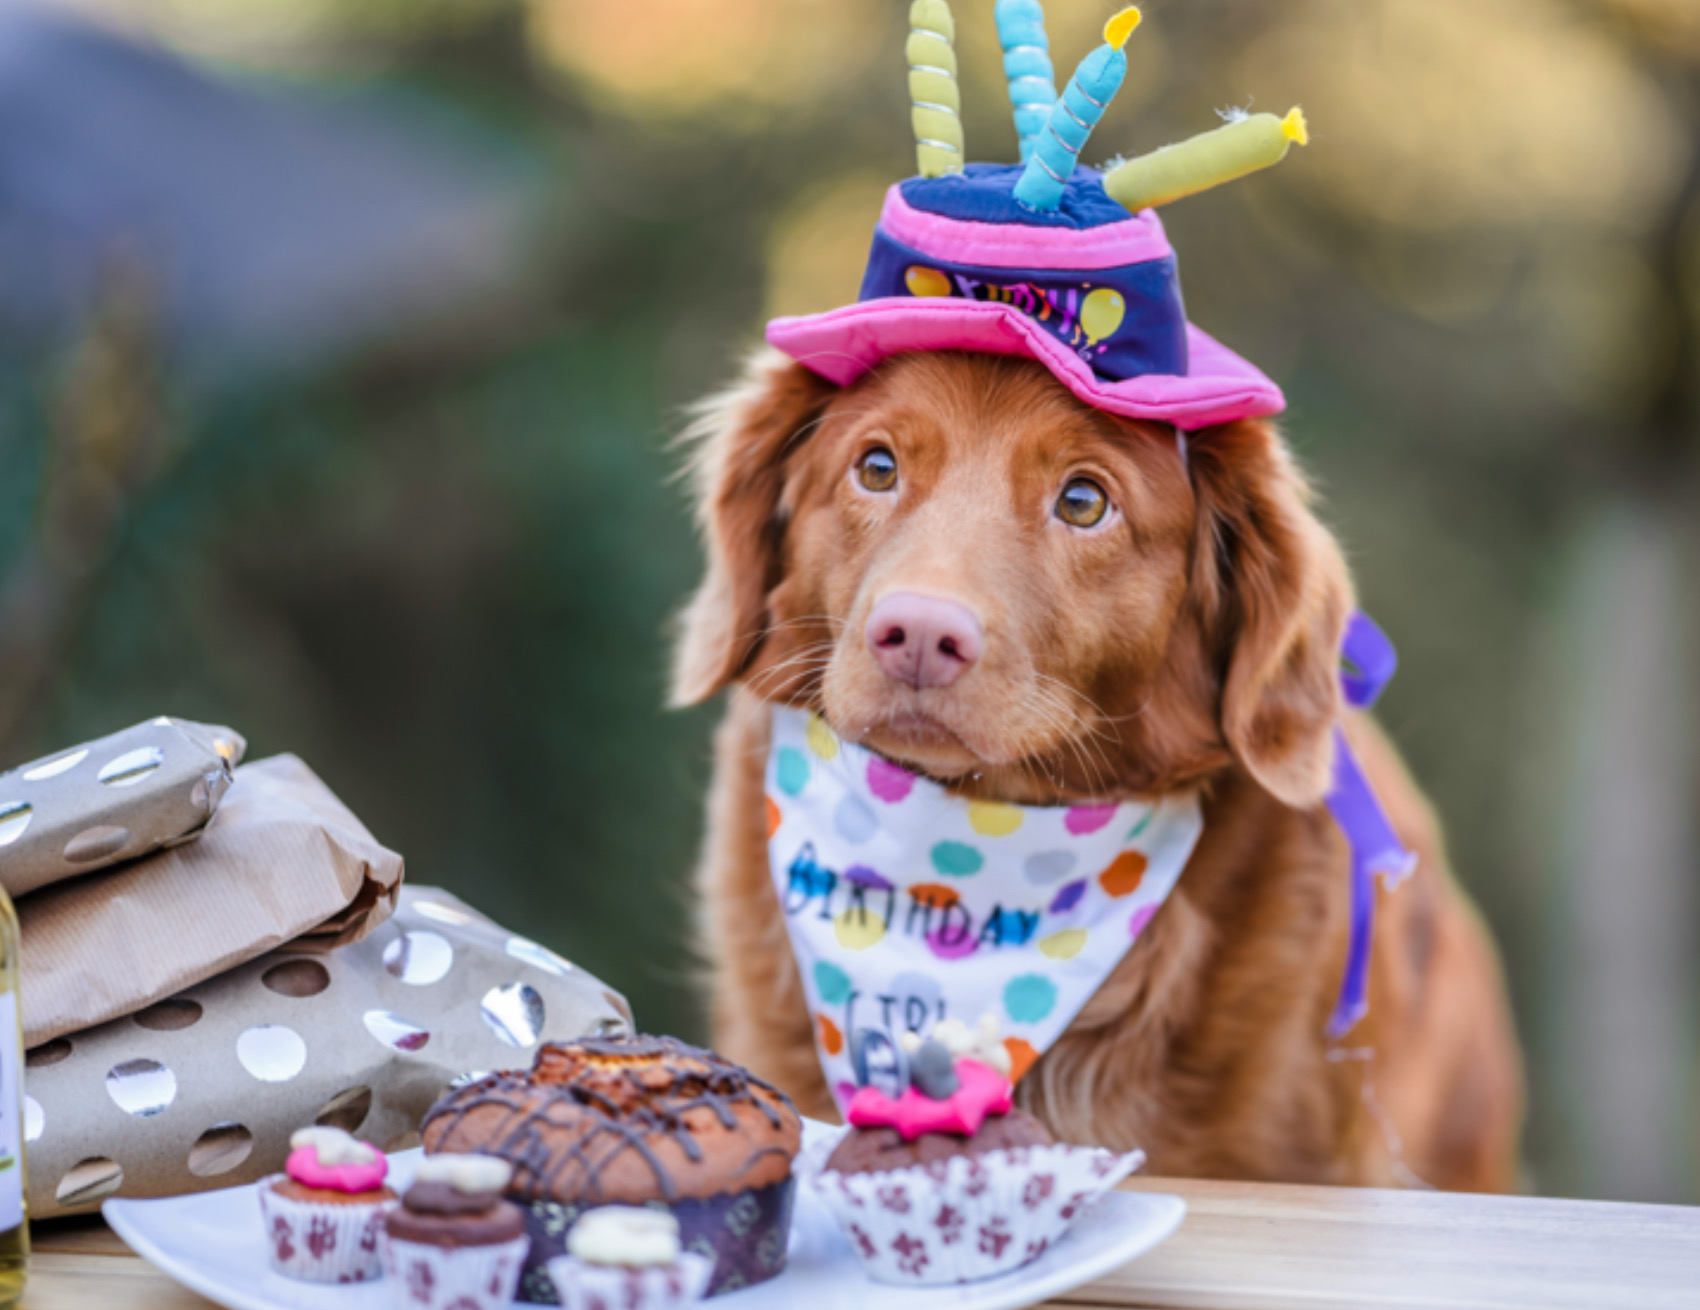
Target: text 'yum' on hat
1047,258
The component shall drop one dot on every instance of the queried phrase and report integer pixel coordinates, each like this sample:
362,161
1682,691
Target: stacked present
214,953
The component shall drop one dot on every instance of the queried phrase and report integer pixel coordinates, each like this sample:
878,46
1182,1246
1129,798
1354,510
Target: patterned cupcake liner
319,1242
744,1235
584,1286
427,1277
970,1217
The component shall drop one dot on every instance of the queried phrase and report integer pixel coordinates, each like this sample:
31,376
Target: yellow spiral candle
936,105
1244,145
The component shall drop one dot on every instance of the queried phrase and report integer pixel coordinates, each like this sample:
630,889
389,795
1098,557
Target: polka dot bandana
907,905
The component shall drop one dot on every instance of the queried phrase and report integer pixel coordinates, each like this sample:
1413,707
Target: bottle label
11,1117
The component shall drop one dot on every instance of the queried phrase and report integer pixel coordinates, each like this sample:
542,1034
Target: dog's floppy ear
1276,596
739,440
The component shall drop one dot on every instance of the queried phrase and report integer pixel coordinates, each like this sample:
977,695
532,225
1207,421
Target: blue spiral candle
1027,66
1074,115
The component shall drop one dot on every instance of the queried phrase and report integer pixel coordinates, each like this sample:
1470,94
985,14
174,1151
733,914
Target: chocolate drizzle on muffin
623,1119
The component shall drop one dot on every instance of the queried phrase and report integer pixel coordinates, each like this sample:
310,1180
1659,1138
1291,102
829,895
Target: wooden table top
1244,1246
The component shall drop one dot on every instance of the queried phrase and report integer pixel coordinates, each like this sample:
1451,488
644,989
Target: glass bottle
14,1224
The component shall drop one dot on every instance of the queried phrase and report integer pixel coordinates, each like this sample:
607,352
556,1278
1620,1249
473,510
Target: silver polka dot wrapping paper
126,795
202,1090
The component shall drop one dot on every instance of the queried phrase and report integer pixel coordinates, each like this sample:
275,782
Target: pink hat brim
843,344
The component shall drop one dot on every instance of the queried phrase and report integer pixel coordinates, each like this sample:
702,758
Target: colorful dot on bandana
951,941
1084,820
844,1092
832,983
1029,998
793,771
1022,1057
934,894
1142,916
890,783
774,817
1068,897
1048,867
993,819
858,929
831,1040
1125,874
1064,945
861,875
954,859
820,738
853,819
1134,833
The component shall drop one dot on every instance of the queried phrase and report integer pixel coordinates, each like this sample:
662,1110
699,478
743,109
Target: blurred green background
420,530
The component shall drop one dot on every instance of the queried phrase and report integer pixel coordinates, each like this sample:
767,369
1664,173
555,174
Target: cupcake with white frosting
454,1243
628,1258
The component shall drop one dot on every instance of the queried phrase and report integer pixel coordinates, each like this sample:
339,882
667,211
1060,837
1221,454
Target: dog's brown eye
877,470
1083,503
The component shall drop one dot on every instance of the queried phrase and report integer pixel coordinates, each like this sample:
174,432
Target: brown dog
967,570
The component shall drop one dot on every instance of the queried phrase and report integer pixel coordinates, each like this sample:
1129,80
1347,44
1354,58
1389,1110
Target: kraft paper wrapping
202,1090
111,800
283,860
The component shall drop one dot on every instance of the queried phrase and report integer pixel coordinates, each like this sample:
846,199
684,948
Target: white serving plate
214,1244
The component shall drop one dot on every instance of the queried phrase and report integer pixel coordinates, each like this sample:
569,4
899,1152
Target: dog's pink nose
923,640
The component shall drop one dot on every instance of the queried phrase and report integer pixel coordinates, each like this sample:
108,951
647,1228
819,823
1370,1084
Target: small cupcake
454,1242
946,1182
324,1215
625,1258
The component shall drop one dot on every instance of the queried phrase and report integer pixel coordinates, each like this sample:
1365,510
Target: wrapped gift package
282,860
201,1090
110,800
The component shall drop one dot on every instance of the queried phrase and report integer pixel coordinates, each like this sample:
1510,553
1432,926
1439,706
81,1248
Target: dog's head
969,571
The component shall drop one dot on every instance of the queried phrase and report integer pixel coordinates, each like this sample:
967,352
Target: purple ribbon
1370,662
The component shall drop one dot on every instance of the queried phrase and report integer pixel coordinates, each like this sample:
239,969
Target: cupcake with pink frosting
324,1215
942,1180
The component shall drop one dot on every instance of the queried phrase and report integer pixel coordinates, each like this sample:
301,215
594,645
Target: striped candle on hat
1074,115
1027,66
935,103
1244,144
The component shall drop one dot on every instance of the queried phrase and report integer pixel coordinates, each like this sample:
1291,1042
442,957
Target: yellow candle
936,105
1243,146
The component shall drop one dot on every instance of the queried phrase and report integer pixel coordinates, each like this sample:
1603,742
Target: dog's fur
1189,641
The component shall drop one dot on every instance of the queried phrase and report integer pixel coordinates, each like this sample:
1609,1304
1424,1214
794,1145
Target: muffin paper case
743,1236
586,1286
322,1242
970,1217
423,1276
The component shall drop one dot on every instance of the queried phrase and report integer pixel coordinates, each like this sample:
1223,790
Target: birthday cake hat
1047,258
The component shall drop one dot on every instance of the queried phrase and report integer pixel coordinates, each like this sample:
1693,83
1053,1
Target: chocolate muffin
636,1121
